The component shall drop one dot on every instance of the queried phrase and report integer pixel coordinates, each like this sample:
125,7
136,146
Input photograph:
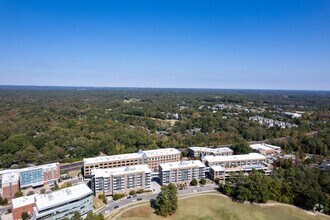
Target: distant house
325,165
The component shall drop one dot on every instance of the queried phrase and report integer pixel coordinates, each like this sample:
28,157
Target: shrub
118,196
101,196
139,191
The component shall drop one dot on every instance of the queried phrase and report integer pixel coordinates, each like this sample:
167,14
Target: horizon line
149,87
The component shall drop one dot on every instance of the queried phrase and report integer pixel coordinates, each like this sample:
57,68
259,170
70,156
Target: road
71,167
109,208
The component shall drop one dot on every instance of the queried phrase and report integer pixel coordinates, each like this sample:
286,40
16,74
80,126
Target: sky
238,44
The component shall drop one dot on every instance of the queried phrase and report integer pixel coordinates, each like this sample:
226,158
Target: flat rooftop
62,196
7,171
181,164
10,177
101,159
139,155
44,166
260,147
250,156
212,150
162,151
120,170
23,201
217,168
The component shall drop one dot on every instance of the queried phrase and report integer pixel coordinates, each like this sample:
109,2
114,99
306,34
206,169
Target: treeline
67,125
307,188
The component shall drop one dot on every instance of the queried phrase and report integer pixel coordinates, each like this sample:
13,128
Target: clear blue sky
196,44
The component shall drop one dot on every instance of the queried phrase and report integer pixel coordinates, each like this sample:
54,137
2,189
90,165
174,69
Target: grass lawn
213,207
97,203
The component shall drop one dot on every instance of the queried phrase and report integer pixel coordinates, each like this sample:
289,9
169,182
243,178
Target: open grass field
213,207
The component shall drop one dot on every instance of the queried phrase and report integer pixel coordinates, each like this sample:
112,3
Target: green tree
194,182
217,180
92,216
76,216
166,201
18,194
241,148
25,215
244,194
227,189
202,181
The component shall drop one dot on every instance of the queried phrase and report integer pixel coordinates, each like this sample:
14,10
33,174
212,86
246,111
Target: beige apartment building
181,172
150,157
120,179
221,166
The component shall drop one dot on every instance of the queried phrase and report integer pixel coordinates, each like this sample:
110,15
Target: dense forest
305,187
45,124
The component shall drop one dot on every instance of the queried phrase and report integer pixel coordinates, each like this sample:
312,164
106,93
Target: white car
106,211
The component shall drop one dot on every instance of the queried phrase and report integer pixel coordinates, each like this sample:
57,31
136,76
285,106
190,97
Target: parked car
129,197
134,200
116,207
134,196
139,199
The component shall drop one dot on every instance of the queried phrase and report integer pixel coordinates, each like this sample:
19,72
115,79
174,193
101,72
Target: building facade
201,152
22,204
236,163
216,172
121,179
150,157
39,175
181,172
63,203
9,185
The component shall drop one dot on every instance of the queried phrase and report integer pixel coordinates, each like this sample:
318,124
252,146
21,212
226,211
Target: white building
181,172
263,149
120,179
150,157
63,203
293,115
237,163
201,152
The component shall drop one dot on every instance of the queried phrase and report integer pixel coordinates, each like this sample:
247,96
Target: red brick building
23,204
10,185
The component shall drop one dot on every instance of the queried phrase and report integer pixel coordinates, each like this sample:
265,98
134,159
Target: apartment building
181,172
263,149
63,203
120,179
236,163
201,152
150,157
22,204
217,171
39,175
9,185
